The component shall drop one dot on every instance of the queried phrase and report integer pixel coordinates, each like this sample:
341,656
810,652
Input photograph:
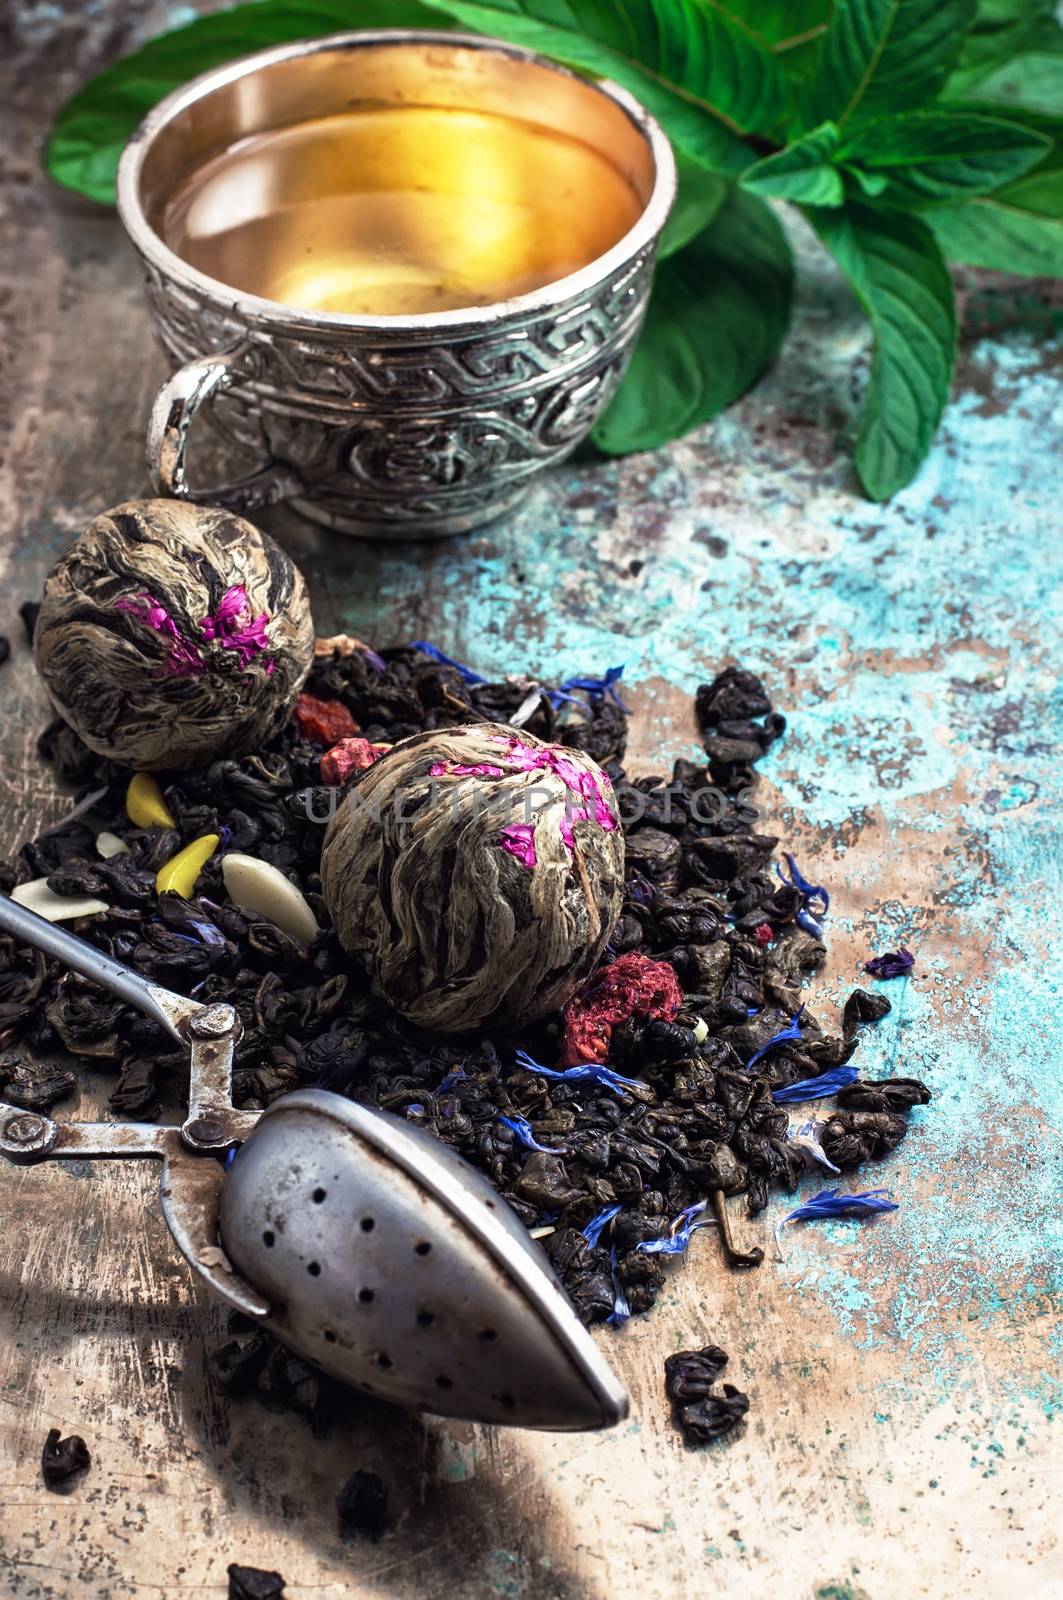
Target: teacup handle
170,426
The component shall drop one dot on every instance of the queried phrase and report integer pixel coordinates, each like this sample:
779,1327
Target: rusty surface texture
904,1376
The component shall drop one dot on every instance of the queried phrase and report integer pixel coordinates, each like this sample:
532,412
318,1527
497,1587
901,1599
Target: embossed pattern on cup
411,426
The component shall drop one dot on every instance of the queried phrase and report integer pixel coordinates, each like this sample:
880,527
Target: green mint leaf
91,129
993,14
699,195
717,316
883,55
1019,229
1032,81
706,77
925,157
896,271
804,171
1029,26
783,24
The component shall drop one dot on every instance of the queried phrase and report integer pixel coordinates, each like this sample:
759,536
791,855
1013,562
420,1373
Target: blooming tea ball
171,634
478,874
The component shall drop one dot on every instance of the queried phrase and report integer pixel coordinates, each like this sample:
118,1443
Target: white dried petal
36,896
109,844
260,889
701,1031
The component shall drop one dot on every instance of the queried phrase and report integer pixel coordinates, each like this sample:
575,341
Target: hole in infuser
314,1268
508,1401
268,1238
486,1335
368,1224
365,1296
330,1337
423,1248
383,1360
425,1319
318,1196
443,1382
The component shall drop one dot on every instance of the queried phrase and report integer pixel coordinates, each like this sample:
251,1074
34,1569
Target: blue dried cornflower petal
678,1236
466,674
598,688
593,1231
207,932
416,1108
587,1072
832,1203
454,1076
621,1310
560,697
375,661
231,1156
818,1088
790,1035
893,964
809,924
797,880
523,1130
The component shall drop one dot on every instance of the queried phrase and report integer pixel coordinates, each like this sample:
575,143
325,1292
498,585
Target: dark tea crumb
254,1583
5,648
690,1374
714,1416
61,1458
700,1414
362,1504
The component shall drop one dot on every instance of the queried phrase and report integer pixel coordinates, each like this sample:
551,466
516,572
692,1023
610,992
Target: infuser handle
170,427
161,1005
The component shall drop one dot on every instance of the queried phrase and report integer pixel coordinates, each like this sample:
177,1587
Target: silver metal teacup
401,427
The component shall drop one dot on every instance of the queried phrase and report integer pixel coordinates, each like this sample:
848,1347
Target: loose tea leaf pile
613,1161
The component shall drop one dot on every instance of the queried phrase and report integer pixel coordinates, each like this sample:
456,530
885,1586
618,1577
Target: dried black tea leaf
690,1374
61,1458
362,1505
36,1087
254,1583
714,1416
863,1006
888,1094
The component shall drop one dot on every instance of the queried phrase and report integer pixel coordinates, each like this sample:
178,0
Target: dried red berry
323,721
349,755
632,986
763,933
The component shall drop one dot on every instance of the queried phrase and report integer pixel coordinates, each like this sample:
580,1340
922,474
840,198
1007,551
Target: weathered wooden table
904,1377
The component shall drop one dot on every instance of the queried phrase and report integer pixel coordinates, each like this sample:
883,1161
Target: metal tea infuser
365,1245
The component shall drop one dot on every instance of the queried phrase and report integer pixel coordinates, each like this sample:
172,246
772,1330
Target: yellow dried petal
179,874
145,805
